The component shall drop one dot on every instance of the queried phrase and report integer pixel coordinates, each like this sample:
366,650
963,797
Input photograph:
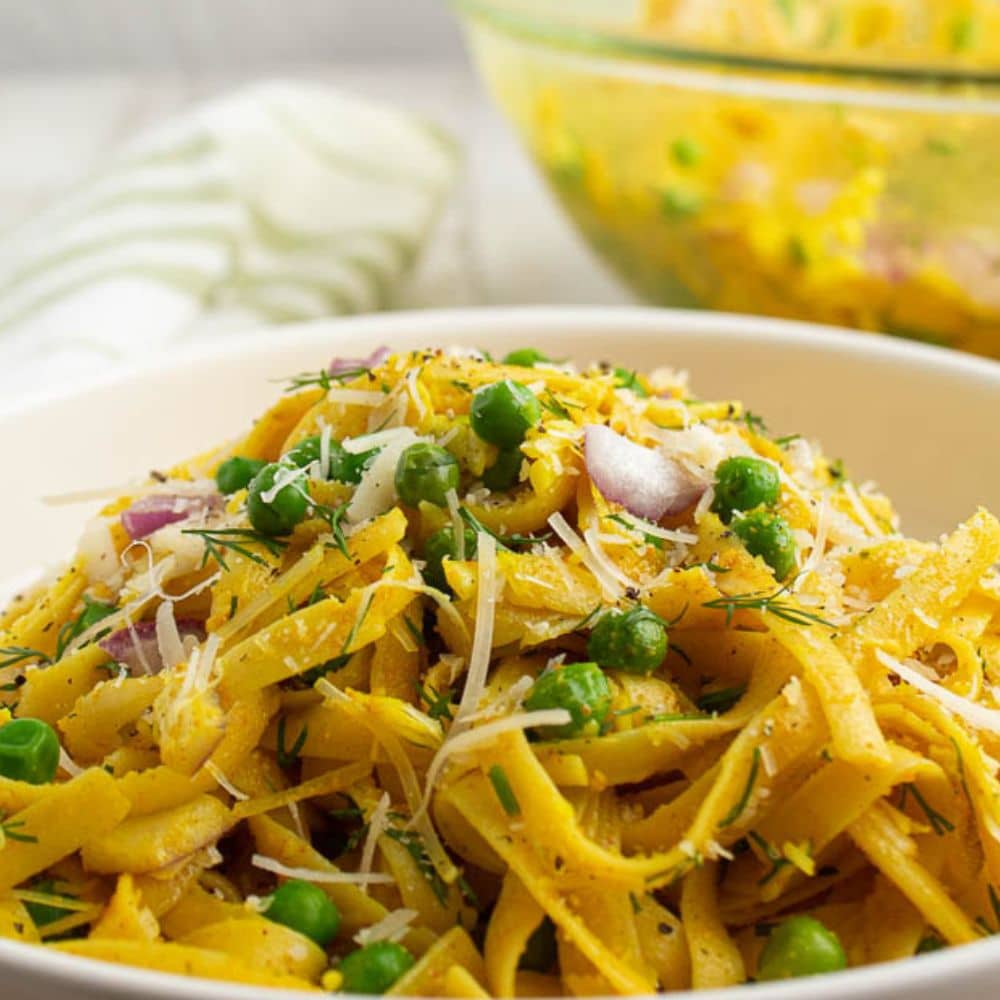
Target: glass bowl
829,160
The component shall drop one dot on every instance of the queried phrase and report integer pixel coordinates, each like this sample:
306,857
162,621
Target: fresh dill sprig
554,406
321,379
287,756
11,830
333,517
438,702
414,845
11,655
636,529
416,632
734,814
940,824
588,619
356,627
772,854
505,542
218,540
768,604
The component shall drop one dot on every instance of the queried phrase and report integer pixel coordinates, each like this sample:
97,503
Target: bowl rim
577,34
590,324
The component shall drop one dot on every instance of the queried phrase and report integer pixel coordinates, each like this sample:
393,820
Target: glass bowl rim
577,36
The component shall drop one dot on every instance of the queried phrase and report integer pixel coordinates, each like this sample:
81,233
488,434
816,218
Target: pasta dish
458,676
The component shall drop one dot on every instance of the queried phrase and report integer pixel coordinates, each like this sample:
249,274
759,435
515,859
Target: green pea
635,641
343,466
374,968
526,357
305,908
441,546
426,472
307,451
502,413
768,536
540,952
235,473
743,483
280,513
581,689
505,472
626,379
800,946
29,751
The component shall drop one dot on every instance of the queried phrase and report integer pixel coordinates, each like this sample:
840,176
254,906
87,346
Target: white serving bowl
919,420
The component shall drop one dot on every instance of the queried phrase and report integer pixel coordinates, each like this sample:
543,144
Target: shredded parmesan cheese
391,927
457,527
168,638
377,823
69,765
610,586
592,537
317,875
977,716
217,773
482,639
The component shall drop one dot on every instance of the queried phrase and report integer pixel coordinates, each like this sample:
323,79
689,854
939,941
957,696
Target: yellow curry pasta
457,677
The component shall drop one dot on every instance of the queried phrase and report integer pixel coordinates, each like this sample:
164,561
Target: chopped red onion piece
343,366
150,513
138,648
644,481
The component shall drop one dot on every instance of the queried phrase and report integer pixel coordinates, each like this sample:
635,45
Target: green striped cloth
282,202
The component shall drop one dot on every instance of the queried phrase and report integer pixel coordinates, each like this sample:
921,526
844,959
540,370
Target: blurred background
78,77
826,160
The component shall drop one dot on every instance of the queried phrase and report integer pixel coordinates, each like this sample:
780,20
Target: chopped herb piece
313,674
755,423
438,703
768,604
333,517
289,756
501,785
734,814
503,541
11,655
722,700
12,830
636,529
415,631
239,540
321,379
940,824
784,442
93,612
772,854
550,403
626,379
414,845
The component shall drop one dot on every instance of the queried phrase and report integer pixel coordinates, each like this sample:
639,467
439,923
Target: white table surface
501,239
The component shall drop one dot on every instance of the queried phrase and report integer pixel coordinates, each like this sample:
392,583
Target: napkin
285,201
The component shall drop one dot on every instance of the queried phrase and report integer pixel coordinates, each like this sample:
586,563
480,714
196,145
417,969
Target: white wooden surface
501,240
